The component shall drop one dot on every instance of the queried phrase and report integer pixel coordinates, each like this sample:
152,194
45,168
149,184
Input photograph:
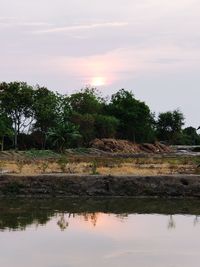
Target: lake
119,232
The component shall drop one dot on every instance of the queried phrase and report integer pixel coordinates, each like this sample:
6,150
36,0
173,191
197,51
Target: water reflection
63,221
171,223
19,214
196,220
99,232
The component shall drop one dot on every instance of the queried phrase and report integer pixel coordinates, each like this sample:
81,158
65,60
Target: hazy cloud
83,27
150,46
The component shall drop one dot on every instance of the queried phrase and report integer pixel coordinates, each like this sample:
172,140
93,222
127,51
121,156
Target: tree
169,126
135,118
86,102
86,126
46,109
190,136
17,101
84,106
106,126
63,135
5,129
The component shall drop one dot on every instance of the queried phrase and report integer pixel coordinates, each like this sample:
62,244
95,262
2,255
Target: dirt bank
99,185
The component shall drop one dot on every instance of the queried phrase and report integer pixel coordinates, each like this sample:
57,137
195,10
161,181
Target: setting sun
98,81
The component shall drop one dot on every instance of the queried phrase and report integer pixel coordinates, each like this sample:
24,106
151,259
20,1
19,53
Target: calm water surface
112,232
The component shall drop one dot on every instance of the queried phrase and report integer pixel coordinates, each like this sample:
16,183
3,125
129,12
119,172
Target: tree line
35,117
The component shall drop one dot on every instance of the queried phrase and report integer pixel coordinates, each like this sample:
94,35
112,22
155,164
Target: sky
151,47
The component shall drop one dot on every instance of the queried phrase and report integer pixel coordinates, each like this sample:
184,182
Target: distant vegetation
37,118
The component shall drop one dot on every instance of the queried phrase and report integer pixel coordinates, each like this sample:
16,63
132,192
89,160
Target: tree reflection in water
196,220
91,217
62,222
171,223
18,214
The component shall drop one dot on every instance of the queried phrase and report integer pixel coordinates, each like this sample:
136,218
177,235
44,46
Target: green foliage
63,135
62,162
81,150
41,119
37,154
106,126
86,126
169,126
95,126
17,101
86,102
5,128
46,110
190,136
135,118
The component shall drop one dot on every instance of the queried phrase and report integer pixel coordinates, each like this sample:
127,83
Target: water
95,232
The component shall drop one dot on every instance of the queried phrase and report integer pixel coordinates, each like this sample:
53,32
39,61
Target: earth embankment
61,185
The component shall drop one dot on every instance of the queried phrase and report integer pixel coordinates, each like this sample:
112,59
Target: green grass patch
40,154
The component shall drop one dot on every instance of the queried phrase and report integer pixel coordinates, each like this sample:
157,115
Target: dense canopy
35,117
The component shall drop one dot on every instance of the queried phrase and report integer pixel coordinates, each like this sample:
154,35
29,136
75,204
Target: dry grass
142,166
37,162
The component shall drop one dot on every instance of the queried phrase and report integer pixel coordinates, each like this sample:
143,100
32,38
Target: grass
81,150
94,168
44,166
39,154
38,161
62,162
20,164
2,165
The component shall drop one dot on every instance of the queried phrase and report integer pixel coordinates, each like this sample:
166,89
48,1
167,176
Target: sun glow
98,81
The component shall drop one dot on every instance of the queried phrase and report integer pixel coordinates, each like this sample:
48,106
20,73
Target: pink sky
151,47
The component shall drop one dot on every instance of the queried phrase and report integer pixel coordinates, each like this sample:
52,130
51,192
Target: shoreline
64,185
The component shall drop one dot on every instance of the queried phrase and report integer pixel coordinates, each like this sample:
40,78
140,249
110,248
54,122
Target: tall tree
135,118
46,106
169,126
17,102
85,105
106,126
86,126
5,129
190,136
86,102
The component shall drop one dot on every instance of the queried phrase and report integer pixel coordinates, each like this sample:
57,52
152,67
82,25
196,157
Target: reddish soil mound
124,146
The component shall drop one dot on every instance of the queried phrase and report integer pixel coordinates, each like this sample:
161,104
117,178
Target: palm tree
63,135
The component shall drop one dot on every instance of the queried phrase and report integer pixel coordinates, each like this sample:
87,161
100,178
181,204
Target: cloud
83,27
7,18
12,22
34,24
126,63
